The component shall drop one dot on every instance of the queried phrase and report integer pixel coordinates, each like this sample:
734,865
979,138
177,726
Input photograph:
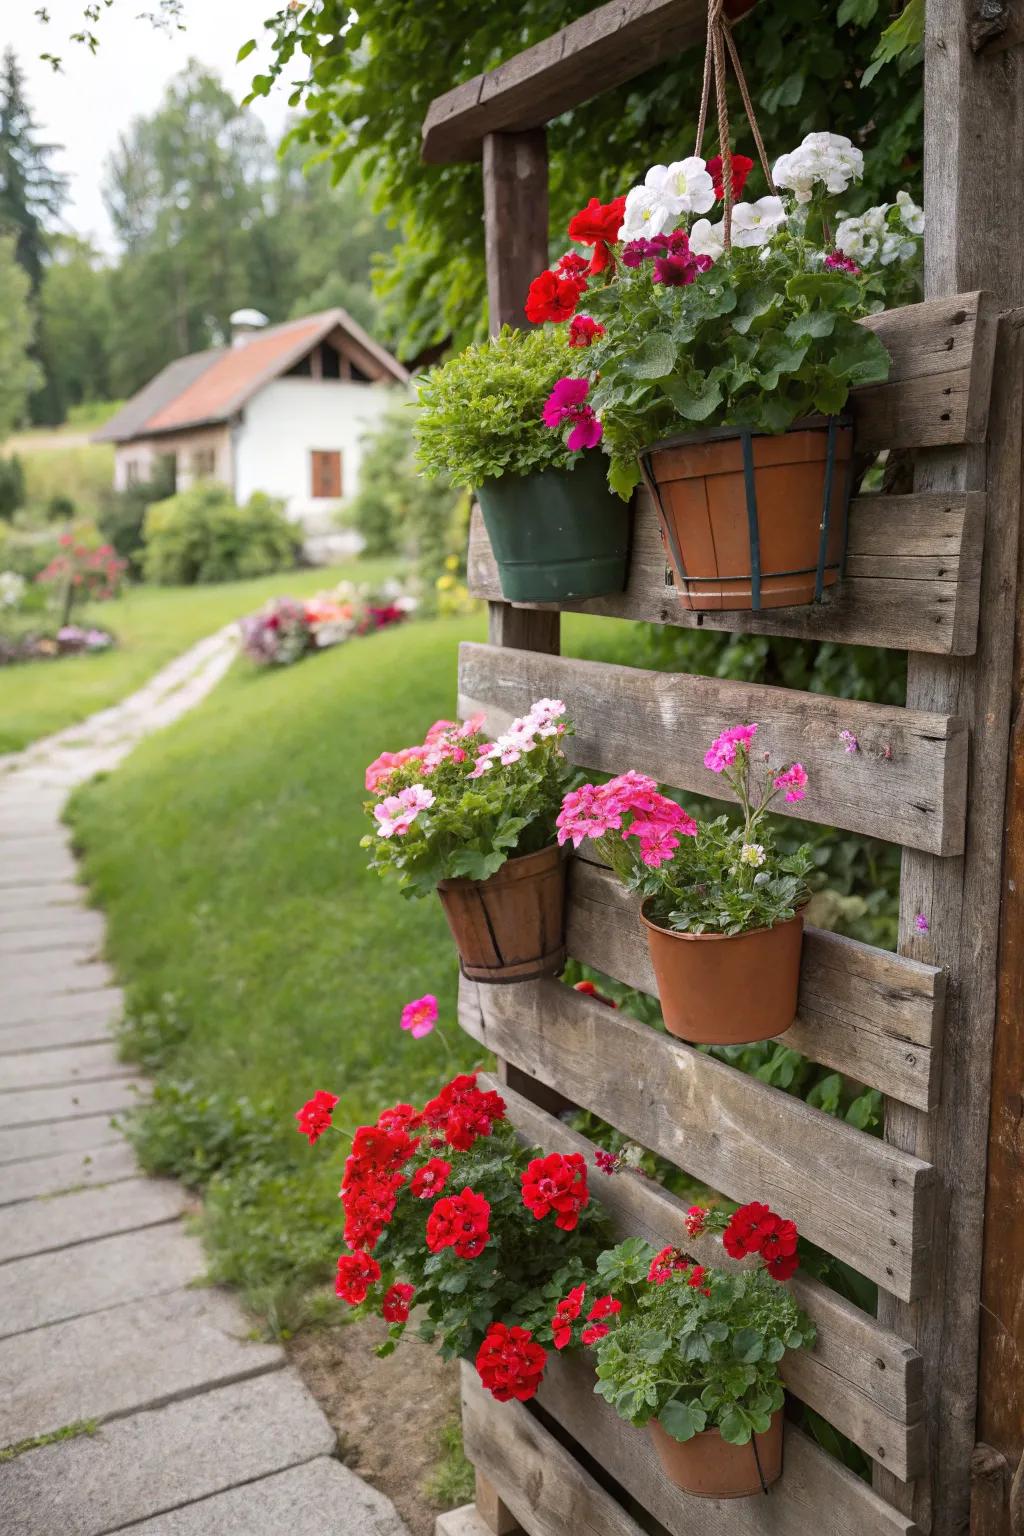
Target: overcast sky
85,107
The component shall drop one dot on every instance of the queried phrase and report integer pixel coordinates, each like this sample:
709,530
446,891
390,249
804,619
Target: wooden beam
907,784
872,1015
861,1378
816,1495
866,1203
913,572
601,50
515,221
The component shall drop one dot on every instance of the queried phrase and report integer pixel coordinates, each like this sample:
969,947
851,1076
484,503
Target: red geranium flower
356,1273
395,1306
782,1266
553,298
741,169
741,1235
429,1181
460,1222
510,1363
400,1117
566,1313
583,331
369,1206
694,1220
556,1183
571,266
598,224
663,1264
315,1115
604,1306
464,1111
587,987
378,1147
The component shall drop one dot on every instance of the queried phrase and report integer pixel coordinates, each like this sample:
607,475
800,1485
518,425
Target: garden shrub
202,535
122,514
12,486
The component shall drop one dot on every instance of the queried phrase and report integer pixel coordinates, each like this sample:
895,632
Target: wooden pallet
876,1016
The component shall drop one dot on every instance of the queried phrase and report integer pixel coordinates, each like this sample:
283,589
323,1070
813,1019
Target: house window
204,463
325,465
131,472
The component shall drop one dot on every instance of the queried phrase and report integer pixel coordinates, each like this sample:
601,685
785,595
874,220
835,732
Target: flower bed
286,629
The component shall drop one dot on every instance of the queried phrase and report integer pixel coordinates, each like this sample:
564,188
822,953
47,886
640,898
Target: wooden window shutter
326,473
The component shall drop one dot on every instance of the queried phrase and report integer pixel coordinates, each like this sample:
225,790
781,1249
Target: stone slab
15,1038
321,1498
22,869
61,1005
157,1461
56,893
140,1355
26,970
37,1105
62,1067
465,1521
68,1171
51,929
53,1287
42,1226
55,1138
27,993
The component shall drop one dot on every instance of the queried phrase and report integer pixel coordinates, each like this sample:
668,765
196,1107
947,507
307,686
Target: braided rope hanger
719,43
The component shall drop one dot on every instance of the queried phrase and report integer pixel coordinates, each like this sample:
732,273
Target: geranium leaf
682,1419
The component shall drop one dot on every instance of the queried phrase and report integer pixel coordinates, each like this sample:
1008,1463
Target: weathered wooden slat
907,783
817,1495
599,51
875,1016
861,1200
860,1377
911,579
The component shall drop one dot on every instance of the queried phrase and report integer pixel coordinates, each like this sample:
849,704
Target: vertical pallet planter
933,573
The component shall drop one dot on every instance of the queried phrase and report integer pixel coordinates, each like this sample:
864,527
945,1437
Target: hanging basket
754,520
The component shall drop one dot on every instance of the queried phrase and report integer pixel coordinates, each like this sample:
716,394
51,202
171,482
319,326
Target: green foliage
366,84
398,510
452,1482
121,515
12,486
470,826
201,535
75,319
19,373
188,1134
902,41
694,1361
480,414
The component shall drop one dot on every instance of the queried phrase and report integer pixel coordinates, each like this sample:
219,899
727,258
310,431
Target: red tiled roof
213,386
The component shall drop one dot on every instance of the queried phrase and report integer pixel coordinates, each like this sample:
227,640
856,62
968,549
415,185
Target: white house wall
287,420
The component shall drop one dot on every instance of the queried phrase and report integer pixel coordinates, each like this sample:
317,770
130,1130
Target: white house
282,410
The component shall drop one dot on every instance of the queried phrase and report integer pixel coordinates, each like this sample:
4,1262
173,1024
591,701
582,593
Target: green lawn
152,625
267,962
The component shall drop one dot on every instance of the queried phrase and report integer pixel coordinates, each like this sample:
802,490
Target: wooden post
974,152
515,221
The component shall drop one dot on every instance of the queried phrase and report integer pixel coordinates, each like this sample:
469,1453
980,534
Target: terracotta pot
712,1468
722,990
512,926
703,494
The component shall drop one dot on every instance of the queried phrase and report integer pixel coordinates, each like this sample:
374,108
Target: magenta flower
606,1161
921,923
638,251
793,781
420,1016
566,403
849,740
722,752
838,261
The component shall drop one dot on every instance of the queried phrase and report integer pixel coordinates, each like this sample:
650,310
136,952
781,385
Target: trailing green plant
201,535
480,413
460,805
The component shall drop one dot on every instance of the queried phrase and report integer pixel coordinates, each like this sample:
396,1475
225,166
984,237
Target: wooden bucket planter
720,990
750,520
512,926
708,1467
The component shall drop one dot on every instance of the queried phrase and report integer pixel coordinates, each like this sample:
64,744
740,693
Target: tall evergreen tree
32,192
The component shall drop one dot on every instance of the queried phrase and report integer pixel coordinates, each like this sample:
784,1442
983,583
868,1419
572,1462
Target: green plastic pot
559,534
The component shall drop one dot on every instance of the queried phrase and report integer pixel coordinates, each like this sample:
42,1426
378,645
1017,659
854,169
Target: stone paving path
200,1430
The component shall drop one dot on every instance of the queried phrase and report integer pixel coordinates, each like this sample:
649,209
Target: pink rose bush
716,876
460,803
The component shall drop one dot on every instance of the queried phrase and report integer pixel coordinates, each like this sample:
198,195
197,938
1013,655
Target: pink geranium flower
566,403
420,1016
793,781
722,752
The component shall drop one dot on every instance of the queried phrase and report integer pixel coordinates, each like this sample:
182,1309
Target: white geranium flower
910,213
646,215
685,186
862,237
753,854
707,239
895,247
755,223
828,159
